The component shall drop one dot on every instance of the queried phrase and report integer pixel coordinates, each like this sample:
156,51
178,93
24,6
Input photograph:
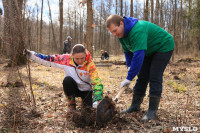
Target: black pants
71,89
152,72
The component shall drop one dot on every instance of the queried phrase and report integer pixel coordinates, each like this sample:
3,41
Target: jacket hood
87,60
129,23
88,56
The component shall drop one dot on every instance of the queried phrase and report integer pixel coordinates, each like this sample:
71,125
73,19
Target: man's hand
27,52
95,104
126,82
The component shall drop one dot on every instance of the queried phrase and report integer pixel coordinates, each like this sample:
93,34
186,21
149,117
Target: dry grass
176,109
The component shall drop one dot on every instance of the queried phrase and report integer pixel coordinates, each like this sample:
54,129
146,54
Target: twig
29,75
177,110
14,122
139,123
23,85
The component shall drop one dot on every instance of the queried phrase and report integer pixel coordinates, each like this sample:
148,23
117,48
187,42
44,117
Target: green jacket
149,37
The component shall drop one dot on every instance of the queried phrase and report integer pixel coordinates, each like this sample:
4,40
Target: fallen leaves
181,107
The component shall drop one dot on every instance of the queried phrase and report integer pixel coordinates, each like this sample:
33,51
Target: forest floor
179,106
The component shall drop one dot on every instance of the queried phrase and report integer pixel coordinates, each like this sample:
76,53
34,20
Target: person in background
81,77
67,45
104,55
148,49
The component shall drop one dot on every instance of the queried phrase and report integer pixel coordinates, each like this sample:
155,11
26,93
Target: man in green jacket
148,49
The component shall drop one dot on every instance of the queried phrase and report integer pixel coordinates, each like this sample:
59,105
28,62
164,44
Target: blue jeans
152,72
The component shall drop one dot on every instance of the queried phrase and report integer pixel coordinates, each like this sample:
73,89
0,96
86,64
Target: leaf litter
176,108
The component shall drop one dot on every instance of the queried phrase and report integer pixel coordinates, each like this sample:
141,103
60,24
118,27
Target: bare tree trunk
198,30
75,28
14,36
125,7
131,8
89,28
41,22
29,32
50,43
161,13
171,10
179,26
122,8
180,23
115,38
61,25
37,47
175,27
156,14
100,25
69,22
136,14
54,38
13,28
116,7
152,10
81,28
166,10
146,10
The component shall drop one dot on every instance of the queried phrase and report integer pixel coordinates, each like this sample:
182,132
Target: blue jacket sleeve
128,56
136,64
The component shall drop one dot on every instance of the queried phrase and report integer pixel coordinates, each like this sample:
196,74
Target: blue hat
69,37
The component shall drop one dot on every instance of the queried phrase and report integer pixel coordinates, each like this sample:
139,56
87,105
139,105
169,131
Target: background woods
86,24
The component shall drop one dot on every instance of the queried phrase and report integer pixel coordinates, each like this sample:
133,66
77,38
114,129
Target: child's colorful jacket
87,71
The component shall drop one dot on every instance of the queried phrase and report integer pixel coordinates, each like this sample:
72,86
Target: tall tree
156,13
175,26
116,7
161,13
180,23
89,29
75,28
198,27
121,8
131,8
41,22
37,46
54,37
146,10
61,24
13,28
152,11
100,26
14,37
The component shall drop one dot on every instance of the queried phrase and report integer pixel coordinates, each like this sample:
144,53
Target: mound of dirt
86,116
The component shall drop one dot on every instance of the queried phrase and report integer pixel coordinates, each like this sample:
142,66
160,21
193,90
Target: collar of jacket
129,23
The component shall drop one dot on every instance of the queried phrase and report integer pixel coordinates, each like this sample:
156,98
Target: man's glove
126,82
27,53
94,105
